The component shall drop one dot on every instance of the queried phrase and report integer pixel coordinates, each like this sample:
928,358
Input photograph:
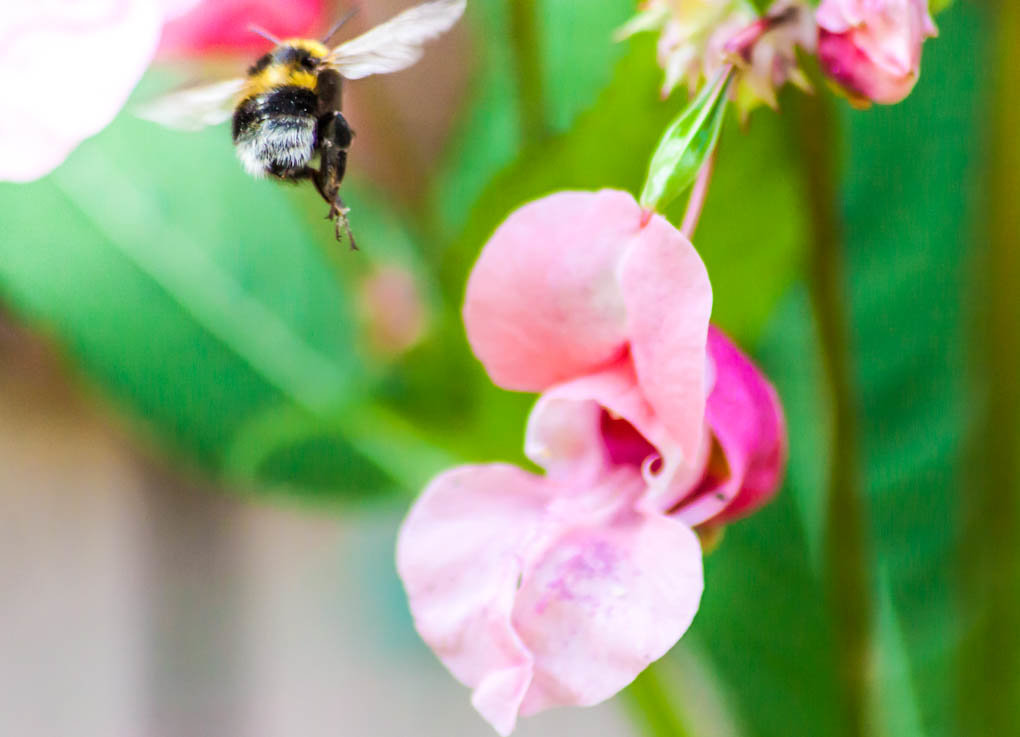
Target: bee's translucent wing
193,108
397,43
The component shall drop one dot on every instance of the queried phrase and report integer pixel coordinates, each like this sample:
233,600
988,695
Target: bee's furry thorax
293,63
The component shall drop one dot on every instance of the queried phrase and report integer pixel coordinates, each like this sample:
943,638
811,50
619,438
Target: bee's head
300,54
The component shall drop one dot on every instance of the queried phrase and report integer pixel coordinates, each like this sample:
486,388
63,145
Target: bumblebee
287,111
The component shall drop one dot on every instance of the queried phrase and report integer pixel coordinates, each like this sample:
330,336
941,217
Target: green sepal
686,145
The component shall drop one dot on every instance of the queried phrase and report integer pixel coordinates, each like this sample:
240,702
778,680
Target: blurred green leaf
578,57
907,242
195,296
578,53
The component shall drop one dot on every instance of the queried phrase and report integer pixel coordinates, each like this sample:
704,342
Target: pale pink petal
746,419
66,70
460,553
564,431
839,16
669,299
223,25
543,304
569,434
602,603
174,8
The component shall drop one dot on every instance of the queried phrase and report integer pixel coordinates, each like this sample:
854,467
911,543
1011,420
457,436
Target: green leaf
578,54
686,146
908,237
197,298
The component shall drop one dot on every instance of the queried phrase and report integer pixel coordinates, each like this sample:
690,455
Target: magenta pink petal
222,25
603,602
543,304
746,419
669,300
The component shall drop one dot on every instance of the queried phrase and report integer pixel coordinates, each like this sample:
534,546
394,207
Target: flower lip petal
542,304
460,554
600,606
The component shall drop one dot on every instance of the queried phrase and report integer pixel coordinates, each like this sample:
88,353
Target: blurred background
213,417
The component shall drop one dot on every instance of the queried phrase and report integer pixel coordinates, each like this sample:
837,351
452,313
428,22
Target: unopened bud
873,49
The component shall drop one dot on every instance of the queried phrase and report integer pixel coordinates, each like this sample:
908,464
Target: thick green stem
846,551
990,677
652,707
528,67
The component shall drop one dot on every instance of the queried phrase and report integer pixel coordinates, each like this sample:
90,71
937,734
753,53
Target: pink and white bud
872,48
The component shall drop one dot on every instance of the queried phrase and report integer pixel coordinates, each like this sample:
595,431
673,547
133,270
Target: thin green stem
990,678
524,35
652,707
846,552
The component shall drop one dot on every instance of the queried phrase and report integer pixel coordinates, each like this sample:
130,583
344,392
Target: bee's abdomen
275,131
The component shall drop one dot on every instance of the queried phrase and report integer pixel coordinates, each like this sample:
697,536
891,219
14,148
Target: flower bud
872,48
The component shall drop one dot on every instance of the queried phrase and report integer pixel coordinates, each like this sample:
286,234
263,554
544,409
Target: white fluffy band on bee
286,111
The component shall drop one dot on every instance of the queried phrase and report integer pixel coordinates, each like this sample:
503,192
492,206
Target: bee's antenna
259,30
339,24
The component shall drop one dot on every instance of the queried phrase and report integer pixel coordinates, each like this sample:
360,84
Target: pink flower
66,69
223,25
68,66
558,589
873,47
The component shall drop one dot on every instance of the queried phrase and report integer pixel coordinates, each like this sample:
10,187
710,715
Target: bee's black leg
334,136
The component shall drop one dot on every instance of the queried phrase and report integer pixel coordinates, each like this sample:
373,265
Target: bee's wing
194,107
397,43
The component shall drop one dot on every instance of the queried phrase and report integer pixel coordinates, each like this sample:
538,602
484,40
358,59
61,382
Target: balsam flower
872,48
68,66
558,589
696,36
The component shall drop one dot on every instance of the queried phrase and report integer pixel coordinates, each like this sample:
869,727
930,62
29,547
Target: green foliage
198,298
907,233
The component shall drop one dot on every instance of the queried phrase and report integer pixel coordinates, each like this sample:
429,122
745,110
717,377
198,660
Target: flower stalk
991,536
652,706
846,552
528,70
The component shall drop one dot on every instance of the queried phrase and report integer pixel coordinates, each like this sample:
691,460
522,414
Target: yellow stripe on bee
275,76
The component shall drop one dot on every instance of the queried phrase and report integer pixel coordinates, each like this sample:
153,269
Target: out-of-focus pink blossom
695,36
66,69
222,26
558,589
392,310
68,66
872,48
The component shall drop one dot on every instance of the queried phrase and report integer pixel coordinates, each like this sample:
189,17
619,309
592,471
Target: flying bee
287,110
